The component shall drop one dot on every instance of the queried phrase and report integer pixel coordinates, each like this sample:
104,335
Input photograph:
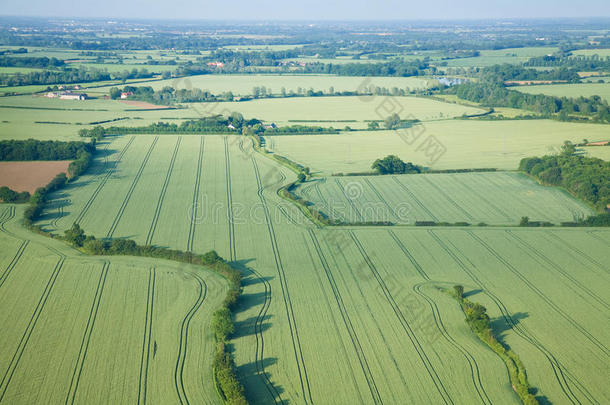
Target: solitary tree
392,122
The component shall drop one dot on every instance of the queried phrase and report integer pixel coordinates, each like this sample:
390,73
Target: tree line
32,149
70,75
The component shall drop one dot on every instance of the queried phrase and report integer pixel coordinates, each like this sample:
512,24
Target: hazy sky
306,9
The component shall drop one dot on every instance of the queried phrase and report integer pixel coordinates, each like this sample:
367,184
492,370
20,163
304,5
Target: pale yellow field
468,144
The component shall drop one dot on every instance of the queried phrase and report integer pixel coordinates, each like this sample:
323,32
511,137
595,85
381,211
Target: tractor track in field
540,294
134,183
168,175
229,192
580,252
562,375
368,375
599,238
349,201
557,268
8,270
102,183
380,197
542,216
183,343
475,373
260,341
84,345
194,208
421,205
474,367
485,200
409,256
23,342
438,383
60,214
367,308
145,359
446,196
296,343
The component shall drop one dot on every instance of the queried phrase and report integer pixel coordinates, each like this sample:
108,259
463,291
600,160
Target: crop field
374,294
89,330
467,144
243,84
602,53
325,110
499,198
570,90
598,152
500,56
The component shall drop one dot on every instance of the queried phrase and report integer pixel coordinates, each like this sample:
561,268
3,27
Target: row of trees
70,75
494,94
30,61
10,196
32,149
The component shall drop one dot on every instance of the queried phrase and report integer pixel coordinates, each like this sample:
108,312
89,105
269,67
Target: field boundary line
99,187
134,183
296,343
25,338
168,175
84,346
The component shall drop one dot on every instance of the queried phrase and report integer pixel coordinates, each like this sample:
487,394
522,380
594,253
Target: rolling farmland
468,144
373,293
492,198
96,330
570,90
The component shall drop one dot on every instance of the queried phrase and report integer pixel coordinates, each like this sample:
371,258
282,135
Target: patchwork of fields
87,330
493,198
467,144
357,314
569,90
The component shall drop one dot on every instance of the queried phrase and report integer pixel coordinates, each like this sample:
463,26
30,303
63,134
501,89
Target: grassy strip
478,320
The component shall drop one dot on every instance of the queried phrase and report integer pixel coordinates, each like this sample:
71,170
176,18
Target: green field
569,90
243,84
500,56
390,335
603,53
468,144
356,108
109,329
41,117
493,198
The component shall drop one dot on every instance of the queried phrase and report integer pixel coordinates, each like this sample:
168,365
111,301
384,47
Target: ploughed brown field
28,176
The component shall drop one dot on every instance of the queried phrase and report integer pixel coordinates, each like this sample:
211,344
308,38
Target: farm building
126,94
73,96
